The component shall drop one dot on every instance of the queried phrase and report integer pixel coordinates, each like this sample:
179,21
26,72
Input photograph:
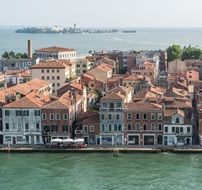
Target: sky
102,13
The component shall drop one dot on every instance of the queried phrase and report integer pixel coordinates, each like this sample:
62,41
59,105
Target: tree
11,54
191,53
173,52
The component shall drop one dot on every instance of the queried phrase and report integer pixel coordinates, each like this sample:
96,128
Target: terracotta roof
88,76
143,105
171,112
32,100
52,64
54,49
113,96
77,86
104,67
91,118
133,78
24,89
26,73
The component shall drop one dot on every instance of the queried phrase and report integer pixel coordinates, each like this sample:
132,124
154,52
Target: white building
57,72
55,52
177,128
21,120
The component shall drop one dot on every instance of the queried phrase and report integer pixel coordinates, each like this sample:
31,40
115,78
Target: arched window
137,126
115,127
110,127
119,127
145,126
103,127
160,127
129,126
153,126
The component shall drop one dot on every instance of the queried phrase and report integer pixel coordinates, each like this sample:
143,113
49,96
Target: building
102,72
17,64
59,115
55,52
21,120
57,72
147,69
176,65
144,123
177,128
83,65
112,119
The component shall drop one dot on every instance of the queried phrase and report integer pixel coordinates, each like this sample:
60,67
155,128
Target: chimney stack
29,47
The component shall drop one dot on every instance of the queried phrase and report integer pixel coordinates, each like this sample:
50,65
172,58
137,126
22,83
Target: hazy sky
102,13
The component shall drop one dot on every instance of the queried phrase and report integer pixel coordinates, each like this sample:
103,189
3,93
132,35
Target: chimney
29,48
70,94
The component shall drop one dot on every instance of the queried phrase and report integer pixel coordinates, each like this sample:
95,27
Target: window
110,116
47,77
53,71
37,113
77,65
159,116
119,127
137,126
166,129
102,116
110,127
42,77
26,127
118,105
145,126
37,127
137,116
188,129
53,84
117,116
57,116
92,128
177,129
104,105
144,116
7,126
65,116
42,71
18,112
58,84
129,116
58,71
173,129
84,65
181,130
103,127
177,120
43,116
25,112
51,116
129,126
160,126
153,116
7,113
153,126
53,77
53,91
115,127
65,128
111,105
58,77
37,139
47,70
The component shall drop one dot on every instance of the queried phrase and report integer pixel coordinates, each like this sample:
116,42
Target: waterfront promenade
99,149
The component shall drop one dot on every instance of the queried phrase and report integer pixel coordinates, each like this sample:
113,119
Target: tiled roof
32,100
54,49
171,112
26,73
24,89
104,67
52,64
143,105
133,78
113,96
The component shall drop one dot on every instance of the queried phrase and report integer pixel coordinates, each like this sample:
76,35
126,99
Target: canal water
69,171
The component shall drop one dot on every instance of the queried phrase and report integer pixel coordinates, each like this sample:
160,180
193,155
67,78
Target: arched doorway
160,140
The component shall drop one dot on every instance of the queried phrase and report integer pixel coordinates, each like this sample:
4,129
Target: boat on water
129,31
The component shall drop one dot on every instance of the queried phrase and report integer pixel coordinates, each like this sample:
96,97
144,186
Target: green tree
191,53
174,52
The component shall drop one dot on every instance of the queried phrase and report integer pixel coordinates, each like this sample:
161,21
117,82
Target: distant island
64,30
